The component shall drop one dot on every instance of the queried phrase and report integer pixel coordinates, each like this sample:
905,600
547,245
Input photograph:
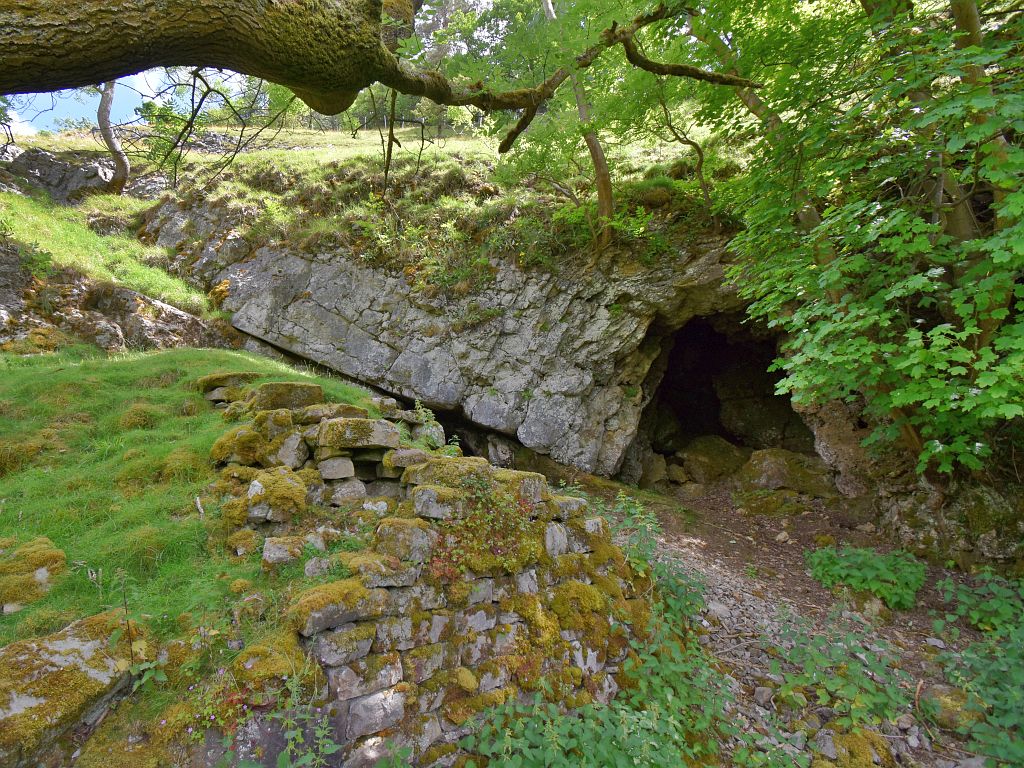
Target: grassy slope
63,233
119,499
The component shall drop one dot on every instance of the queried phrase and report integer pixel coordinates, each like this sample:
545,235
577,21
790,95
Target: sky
40,112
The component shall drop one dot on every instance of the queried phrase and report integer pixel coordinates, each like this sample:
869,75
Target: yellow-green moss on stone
50,683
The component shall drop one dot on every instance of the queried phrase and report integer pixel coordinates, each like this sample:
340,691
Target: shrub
844,668
894,578
991,670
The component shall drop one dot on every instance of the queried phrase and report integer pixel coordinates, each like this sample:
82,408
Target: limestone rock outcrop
56,684
555,361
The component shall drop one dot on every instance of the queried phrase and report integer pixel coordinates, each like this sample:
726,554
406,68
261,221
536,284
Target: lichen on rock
51,684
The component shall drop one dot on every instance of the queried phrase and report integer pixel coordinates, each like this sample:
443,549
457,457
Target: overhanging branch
439,89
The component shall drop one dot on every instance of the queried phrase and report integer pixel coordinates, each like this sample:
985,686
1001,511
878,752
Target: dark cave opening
717,381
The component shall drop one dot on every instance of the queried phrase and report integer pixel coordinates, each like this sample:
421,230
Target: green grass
62,232
117,494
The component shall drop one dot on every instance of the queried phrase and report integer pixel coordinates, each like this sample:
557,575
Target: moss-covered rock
780,503
775,468
215,380
710,457
242,445
50,685
862,749
358,433
269,662
314,414
285,394
340,602
405,538
275,495
445,471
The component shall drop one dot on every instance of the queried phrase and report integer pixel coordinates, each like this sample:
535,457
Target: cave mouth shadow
717,381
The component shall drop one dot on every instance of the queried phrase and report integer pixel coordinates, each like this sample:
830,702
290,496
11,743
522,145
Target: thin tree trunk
122,166
806,212
602,174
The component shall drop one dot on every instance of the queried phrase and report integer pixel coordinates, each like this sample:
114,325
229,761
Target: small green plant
894,578
36,261
147,674
640,530
845,667
989,671
990,603
425,414
452,448
991,674
675,712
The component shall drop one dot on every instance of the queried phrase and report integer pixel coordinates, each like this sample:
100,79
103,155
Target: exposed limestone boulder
774,468
56,684
66,181
144,322
965,521
553,367
710,457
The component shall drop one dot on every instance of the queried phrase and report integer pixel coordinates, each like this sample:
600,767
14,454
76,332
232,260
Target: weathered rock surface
69,179
58,683
111,316
556,367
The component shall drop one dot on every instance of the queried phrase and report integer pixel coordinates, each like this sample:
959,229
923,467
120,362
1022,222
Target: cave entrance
717,381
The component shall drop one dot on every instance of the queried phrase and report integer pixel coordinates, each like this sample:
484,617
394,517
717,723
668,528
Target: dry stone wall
478,584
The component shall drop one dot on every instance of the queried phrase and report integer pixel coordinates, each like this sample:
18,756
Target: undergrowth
675,709
894,578
990,671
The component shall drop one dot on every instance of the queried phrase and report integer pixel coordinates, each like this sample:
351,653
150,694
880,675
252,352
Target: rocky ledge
556,361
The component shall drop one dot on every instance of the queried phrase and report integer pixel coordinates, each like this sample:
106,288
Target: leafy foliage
858,242
845,667
990,671
895,577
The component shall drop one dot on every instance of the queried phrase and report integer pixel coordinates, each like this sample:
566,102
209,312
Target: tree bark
122,166
324,50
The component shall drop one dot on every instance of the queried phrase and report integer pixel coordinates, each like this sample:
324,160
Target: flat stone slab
358,433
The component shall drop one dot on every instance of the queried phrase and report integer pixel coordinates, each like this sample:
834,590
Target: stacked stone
411,651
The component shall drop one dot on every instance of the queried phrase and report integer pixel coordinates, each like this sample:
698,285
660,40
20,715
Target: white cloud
146,83
19,126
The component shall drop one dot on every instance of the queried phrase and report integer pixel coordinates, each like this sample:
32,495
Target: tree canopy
881,205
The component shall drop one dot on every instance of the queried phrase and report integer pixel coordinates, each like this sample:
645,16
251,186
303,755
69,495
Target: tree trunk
602,175
324,51
122,167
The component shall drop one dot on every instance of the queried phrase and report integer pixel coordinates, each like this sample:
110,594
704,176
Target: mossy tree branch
326,51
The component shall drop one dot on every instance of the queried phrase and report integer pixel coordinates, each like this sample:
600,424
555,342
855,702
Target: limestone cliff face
557,361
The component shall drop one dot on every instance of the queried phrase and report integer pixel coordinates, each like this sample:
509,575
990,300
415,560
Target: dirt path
758,590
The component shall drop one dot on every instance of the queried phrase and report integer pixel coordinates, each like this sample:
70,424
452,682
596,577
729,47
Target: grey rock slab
364,676
338,468
375,712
